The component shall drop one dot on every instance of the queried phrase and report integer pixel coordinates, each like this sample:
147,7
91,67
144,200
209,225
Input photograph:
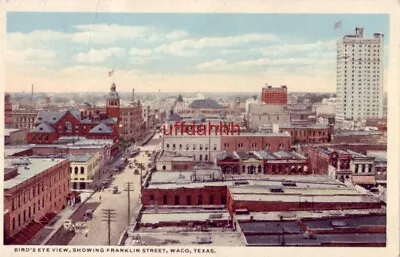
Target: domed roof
113,92
205,104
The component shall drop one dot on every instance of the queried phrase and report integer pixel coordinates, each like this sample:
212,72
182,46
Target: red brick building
334,162
274,95
248,141
263,162
35,191
8,117
303,134
51,125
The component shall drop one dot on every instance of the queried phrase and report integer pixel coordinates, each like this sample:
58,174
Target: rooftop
101,128
173,156
307,126
35,167
205,104
357,133
80,158
8,131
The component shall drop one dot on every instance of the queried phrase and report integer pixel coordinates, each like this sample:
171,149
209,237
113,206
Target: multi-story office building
274,95
359,76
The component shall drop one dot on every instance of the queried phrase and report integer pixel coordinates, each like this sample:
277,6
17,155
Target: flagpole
113,75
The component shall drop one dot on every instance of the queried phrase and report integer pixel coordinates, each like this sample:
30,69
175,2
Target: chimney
360,31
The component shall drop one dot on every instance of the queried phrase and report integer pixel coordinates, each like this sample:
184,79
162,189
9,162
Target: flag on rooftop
110,73
337,25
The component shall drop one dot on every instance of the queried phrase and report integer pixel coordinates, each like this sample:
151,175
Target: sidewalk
65,215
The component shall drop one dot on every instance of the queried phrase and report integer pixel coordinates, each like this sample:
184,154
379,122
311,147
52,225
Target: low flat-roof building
14,136
172,161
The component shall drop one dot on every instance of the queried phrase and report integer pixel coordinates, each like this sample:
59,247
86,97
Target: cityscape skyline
74,52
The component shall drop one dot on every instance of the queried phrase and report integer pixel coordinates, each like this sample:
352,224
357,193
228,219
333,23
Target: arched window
68,126
206,157
76,170
201,157
82,170
163,167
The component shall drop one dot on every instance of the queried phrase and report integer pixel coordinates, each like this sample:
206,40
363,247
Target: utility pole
129,189
109,216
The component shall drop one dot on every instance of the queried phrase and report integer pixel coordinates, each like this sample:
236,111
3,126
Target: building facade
258,141
308,134
274,95
85,171
14,136
35,190
359,76
263,162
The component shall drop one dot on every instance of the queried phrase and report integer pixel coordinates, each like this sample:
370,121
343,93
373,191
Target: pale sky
72,52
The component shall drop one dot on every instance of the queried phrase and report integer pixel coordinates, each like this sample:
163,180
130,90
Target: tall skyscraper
359,83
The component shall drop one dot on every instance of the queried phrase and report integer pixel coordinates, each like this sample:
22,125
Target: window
194,147
187,146
176,200
211,199
68,126
189,200
82,170
206,157
13,223
164,167
165,200
76,170
200,200
215,147
223,199
201,147
151,199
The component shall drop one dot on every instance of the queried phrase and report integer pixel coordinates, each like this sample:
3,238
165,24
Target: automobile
68,224
88,214
115,190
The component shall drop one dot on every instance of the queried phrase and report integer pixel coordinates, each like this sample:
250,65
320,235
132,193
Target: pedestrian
100,198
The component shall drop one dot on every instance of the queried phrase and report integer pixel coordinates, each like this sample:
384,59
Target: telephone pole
129,189
109,216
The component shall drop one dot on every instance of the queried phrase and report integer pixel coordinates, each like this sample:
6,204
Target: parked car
88,214
69,225
115,190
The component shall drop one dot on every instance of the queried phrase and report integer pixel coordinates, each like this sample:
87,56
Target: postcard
201,128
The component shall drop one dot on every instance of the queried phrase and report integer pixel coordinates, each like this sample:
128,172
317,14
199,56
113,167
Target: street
101,200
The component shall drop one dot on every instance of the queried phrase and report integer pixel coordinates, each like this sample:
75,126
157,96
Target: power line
129,189
109,216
